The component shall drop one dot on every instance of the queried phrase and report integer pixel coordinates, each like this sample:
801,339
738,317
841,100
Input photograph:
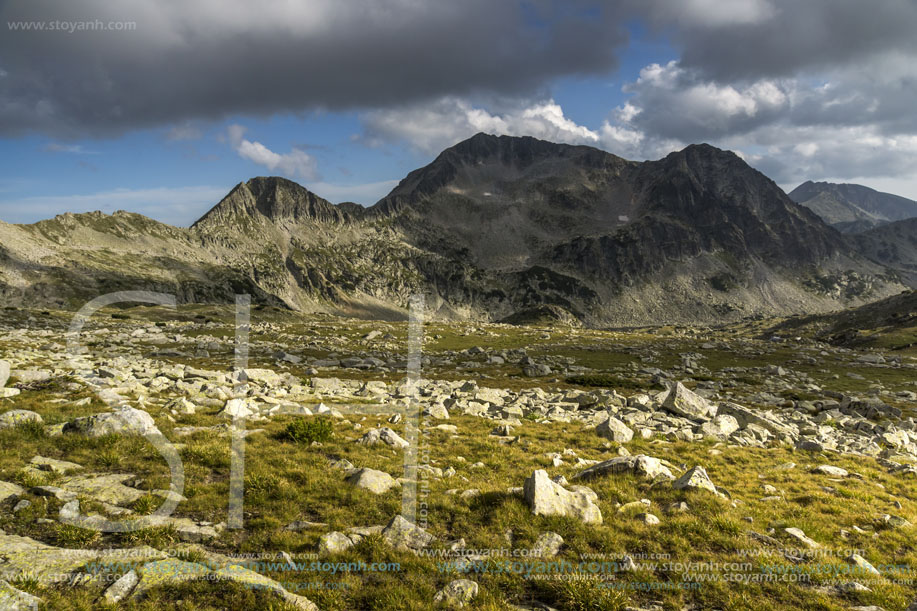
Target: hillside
890,323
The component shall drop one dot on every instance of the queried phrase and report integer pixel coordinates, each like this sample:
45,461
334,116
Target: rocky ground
665,468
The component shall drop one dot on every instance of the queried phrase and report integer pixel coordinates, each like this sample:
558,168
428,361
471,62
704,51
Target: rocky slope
852,208
893,245
888,323
494,226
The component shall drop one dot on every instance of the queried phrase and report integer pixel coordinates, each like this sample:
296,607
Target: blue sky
638,82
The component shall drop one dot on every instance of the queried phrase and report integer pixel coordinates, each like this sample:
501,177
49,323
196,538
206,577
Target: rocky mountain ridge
853,208
493,227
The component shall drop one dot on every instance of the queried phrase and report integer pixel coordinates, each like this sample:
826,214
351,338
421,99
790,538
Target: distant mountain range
853,208
494,228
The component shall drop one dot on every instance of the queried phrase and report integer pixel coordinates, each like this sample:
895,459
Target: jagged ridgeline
494,228
853,208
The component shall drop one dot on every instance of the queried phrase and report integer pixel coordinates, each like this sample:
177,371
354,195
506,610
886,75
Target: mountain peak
852,208
276,199
484,157
516,149
705,151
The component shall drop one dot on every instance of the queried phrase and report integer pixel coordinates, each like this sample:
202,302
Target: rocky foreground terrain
556,467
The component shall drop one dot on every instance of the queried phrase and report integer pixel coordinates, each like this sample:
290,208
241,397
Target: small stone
237,408
124,420
54,465
536,371
801,537
615,430
438,411
13,599
457,593
16,417
377,482
402,534
695,479
194,533
831,470
547,545
648,519
862,564
117,591
547,498
639,465
895,521
298,525
334,542
9,490
721,427
679,507
681,401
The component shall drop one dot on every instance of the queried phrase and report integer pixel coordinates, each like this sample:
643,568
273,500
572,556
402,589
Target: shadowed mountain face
505,199
493,228
893,245
853,208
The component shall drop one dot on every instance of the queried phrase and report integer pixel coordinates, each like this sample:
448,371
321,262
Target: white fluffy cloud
296,163
436,126
669,101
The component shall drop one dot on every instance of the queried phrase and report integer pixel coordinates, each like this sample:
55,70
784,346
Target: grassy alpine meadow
811,505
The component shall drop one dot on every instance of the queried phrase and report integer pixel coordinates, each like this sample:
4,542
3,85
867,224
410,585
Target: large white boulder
547,498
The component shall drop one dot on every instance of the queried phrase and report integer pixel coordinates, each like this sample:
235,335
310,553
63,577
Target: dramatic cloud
296,163
671,102
847,123
433,127
752,39
703,14
813,89
208,59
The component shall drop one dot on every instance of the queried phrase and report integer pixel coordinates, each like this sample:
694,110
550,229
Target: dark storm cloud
207,59
747,64
748,39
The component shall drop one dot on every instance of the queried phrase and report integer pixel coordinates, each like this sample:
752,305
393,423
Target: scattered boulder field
116,465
